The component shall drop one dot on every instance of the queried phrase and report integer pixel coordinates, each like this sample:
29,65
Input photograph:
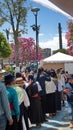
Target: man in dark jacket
41,78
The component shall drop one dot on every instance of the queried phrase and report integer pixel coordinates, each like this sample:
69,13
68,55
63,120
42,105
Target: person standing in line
63,86
24,102
69,92
26,74
66,77
50,98
59,92
5,113
42,77
9,80
35,109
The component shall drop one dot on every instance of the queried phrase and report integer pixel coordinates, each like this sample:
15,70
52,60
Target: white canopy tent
59,60
59,57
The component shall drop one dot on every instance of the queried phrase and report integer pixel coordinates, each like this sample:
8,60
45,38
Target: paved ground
59,122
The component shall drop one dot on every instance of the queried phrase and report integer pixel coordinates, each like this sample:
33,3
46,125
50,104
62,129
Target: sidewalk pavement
59,122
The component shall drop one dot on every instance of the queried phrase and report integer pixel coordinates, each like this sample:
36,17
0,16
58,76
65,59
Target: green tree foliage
5,49
61,50
14,12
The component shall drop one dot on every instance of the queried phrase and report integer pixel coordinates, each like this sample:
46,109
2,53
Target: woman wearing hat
69,91
35,109
24,102
13,101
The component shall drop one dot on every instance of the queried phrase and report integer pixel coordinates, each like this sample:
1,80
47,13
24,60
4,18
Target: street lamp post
35,28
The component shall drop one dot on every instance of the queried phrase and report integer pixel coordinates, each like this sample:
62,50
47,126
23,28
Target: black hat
53,74
41,69
27,69
63,72
9,78
31,77
18,74
70,76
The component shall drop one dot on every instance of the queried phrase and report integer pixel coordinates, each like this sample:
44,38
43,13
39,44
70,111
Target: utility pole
60,35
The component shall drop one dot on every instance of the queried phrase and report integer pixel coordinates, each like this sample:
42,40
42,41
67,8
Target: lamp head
35,10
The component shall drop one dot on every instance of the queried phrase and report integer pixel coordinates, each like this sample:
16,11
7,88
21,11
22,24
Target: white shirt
50,87
39,86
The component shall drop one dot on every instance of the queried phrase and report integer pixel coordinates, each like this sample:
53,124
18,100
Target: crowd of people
32,96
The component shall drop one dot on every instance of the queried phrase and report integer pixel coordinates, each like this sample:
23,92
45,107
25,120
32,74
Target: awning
59,58
64,7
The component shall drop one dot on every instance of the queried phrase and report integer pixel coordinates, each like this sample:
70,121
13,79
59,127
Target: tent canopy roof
59,58
65,5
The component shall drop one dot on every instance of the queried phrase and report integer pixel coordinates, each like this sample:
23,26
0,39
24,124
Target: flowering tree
69,37
14,12
27,50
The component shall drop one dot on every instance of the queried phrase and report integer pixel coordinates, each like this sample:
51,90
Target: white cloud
41,34
50,5
54,43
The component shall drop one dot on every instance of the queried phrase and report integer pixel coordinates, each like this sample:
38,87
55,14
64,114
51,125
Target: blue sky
48,21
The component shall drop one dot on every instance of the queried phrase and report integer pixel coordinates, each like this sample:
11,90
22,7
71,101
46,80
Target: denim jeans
71,105
3,122
72,111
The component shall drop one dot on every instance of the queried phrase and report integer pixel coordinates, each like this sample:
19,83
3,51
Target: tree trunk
1,63
16,50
